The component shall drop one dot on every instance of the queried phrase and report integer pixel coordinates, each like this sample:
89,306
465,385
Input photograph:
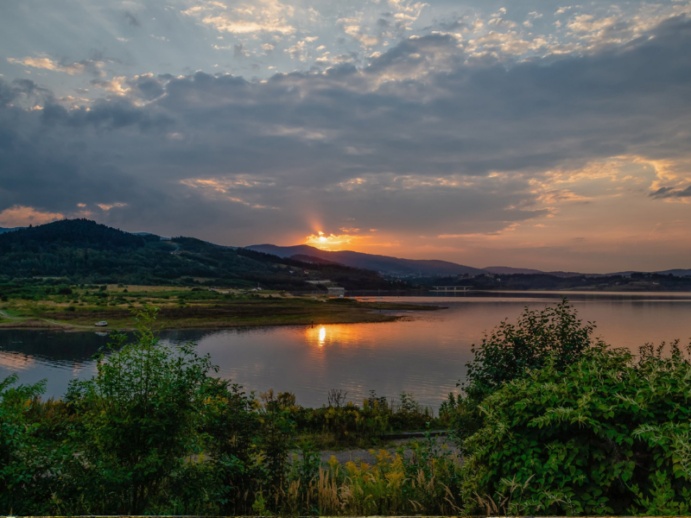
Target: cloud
669,192
23,91
132,19
431,132
245,18
108,206
21,216
86,66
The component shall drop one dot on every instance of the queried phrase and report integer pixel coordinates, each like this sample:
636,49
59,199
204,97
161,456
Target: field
79,307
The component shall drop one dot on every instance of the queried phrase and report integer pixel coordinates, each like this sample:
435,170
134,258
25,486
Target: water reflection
15,362
425,356
341,335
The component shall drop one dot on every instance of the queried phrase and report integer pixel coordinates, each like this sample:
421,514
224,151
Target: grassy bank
79,307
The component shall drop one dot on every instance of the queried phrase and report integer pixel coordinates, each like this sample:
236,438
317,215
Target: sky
489,133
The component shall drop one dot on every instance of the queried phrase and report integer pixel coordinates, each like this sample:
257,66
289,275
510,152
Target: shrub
231,427
138,419
605,435
554,334
511,350
424,480
26,461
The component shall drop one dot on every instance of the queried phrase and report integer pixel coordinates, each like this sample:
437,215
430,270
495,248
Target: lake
425,354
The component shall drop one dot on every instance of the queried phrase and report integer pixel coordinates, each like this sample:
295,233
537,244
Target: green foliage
568,427
604,435
23,460
230,430
344,423
424,480
511,350
138,419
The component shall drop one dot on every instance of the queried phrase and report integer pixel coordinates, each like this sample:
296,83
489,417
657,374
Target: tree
512,350
139,418
605,435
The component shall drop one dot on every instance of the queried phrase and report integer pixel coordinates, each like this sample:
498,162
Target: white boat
102,323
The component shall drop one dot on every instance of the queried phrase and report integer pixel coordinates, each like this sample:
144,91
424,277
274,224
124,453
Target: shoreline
254,315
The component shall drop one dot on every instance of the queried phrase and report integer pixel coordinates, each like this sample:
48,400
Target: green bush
554,334
605,435
511,350
23,461
139,418
363,425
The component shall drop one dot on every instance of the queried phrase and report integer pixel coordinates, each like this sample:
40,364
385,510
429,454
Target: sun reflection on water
343,335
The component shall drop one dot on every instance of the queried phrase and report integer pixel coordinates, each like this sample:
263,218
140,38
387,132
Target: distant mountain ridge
387,265
677,272
507,270
392,266
399,267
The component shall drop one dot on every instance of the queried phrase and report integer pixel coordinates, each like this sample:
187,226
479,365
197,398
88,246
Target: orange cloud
21,216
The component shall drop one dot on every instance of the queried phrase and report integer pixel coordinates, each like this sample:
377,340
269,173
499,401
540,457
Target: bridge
450,289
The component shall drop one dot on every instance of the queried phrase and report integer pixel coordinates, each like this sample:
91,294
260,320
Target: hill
391,266
677,272
87,252
507,270
548,281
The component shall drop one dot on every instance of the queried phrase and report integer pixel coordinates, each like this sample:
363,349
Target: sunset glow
331,241
396,128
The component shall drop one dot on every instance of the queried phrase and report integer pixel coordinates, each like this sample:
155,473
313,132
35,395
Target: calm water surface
424,355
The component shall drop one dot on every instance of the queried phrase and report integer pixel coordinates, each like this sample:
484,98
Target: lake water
425,354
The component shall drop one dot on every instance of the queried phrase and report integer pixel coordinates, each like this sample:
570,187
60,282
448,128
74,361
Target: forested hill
77,233
86,252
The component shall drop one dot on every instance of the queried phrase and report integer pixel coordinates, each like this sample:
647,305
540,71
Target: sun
328,242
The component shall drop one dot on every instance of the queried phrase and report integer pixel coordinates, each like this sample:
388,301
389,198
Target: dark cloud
422,136
453,26
131,19
669,192
105,115
148,87
21,90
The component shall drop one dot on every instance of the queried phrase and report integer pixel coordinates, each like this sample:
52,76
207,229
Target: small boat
102,323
